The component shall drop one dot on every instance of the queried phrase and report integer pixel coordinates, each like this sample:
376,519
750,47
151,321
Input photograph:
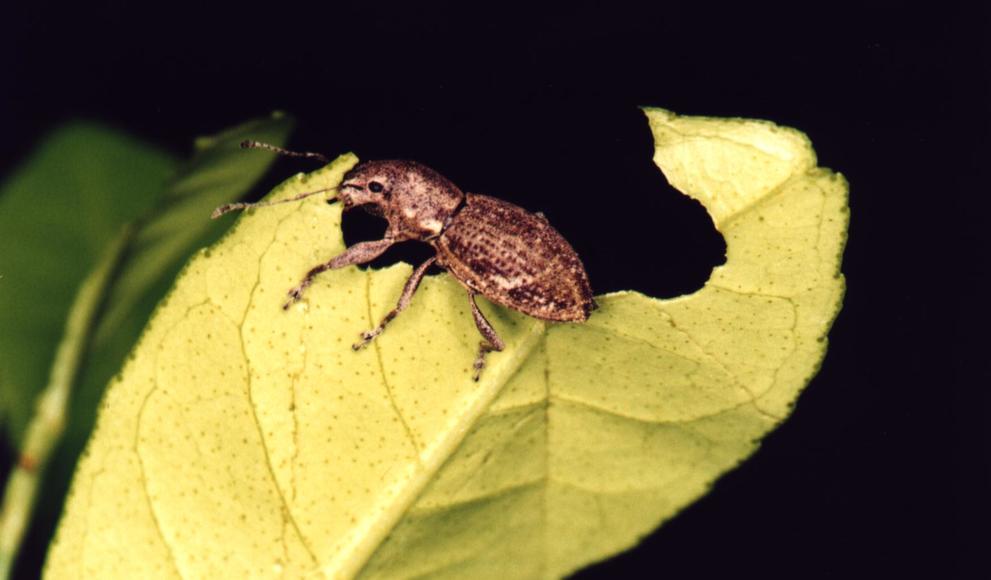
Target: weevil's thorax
422,203
417,201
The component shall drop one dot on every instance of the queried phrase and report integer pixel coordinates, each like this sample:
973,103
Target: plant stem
48,423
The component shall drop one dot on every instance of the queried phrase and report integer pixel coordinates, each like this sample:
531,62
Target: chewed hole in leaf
656,240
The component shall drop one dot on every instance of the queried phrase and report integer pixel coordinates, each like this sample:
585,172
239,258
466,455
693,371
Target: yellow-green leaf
242,440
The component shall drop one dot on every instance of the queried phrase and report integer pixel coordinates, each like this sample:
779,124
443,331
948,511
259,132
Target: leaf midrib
352,557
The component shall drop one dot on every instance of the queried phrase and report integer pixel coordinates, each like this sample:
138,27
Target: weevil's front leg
357,254
492,341
407,296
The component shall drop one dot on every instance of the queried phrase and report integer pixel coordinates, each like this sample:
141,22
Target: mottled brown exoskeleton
491,247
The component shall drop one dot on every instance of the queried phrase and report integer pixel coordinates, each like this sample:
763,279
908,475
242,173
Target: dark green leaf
57,215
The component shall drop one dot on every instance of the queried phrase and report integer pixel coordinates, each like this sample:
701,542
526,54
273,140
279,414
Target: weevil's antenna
229,207
249,144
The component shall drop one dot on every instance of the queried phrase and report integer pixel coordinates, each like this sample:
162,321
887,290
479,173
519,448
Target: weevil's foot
483,349
295,295
221,211
478,366
366,337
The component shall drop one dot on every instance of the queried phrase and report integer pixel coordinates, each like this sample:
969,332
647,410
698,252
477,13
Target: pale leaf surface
242,440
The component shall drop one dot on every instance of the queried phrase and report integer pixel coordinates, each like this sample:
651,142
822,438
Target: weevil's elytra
494,248
516,259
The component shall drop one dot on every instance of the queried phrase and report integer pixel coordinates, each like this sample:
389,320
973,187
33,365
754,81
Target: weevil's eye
375,187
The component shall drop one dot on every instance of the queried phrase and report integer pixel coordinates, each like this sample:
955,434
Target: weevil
494,248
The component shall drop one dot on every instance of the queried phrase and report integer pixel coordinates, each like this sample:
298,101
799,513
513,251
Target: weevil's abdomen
516,259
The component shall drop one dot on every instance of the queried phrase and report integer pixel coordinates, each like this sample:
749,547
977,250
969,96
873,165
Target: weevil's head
417,201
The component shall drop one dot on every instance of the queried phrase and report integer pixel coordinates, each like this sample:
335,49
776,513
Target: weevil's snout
363,187
353,194
344,195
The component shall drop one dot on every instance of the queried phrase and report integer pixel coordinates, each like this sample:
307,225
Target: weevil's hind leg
408,290
492,341
356,254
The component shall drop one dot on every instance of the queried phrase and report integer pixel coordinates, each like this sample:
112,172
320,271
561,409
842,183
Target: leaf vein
286,512
385,379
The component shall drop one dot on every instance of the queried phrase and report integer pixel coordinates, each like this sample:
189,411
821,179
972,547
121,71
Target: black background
883,468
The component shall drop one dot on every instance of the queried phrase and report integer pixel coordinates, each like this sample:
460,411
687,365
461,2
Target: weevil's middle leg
492,341
408,290
357,254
